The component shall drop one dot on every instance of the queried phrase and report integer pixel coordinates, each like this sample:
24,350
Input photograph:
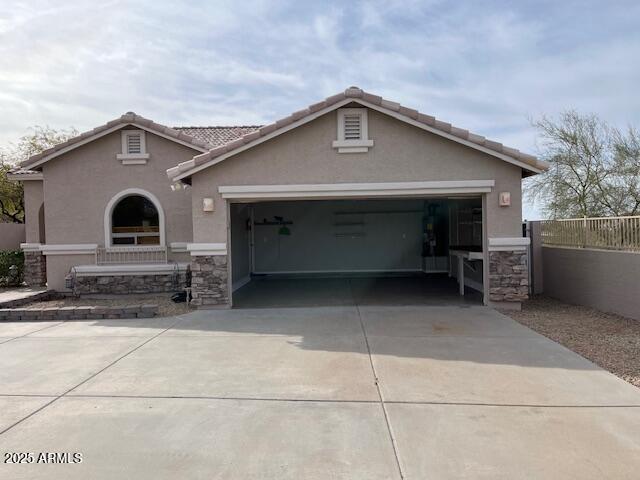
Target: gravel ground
166,308
608,340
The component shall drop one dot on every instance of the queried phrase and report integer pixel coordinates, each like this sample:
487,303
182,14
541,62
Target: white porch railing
611,233
131,255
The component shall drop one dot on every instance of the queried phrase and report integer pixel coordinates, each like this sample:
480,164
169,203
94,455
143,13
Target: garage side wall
241,262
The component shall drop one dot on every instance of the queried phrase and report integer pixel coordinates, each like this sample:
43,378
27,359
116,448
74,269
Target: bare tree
623,189
11,193
594,168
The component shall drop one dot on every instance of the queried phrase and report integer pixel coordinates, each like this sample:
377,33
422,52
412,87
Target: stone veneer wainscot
35,269
508,276
130,284
209,280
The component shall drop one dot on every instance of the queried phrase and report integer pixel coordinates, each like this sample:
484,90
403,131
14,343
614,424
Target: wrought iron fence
131,255
611,233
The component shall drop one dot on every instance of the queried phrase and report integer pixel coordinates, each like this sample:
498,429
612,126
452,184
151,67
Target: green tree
11,193
594,168
11,197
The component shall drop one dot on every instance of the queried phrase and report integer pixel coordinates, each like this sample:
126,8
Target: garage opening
341,252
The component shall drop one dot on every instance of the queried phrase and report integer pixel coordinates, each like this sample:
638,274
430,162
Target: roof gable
428,123
128,119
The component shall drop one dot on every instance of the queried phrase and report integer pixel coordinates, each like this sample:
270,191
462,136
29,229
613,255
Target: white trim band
137,160
504,244
206,249
69,249
141,269
30,247
178,247
340,190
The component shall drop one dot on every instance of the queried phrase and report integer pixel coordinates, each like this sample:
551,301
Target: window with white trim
134,147
135,221
353,131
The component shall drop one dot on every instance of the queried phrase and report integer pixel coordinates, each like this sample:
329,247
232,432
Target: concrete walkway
8,295
291,393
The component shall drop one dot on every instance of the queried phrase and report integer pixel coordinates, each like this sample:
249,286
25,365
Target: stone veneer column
209,280
35,268
508,276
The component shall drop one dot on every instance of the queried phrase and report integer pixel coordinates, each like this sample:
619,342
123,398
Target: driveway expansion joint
29,333
58,397
380,396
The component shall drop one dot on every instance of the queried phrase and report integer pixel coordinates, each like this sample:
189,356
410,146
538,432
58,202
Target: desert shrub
11,268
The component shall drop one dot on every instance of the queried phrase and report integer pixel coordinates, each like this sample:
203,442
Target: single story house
351,184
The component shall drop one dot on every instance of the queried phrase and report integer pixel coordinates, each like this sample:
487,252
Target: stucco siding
11,235
401,152
79,185
606,280
33,199
58,266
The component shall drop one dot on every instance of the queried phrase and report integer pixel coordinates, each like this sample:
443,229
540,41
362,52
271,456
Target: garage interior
345,252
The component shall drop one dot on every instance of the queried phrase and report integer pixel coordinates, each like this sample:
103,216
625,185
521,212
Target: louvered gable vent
134,143
134,148
353,131
353,127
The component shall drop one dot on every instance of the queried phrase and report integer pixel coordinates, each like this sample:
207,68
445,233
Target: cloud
483,68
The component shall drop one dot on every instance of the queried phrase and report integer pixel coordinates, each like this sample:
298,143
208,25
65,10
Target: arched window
134,217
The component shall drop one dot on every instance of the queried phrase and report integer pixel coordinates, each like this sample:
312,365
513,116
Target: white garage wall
379,236
240,259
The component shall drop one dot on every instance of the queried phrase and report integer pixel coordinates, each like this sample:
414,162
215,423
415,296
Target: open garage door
426,242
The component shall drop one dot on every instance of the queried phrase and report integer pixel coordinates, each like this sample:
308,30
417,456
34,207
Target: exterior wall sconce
505,199
208,205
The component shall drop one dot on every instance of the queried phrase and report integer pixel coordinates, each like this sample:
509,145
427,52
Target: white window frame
108,214
353,146
133,158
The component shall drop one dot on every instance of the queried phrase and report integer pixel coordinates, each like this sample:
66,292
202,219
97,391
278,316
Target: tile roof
216,141
216,136
183,169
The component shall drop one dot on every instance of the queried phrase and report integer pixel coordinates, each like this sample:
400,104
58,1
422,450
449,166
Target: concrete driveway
291,393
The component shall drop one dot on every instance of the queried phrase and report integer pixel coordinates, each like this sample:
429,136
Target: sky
487,66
